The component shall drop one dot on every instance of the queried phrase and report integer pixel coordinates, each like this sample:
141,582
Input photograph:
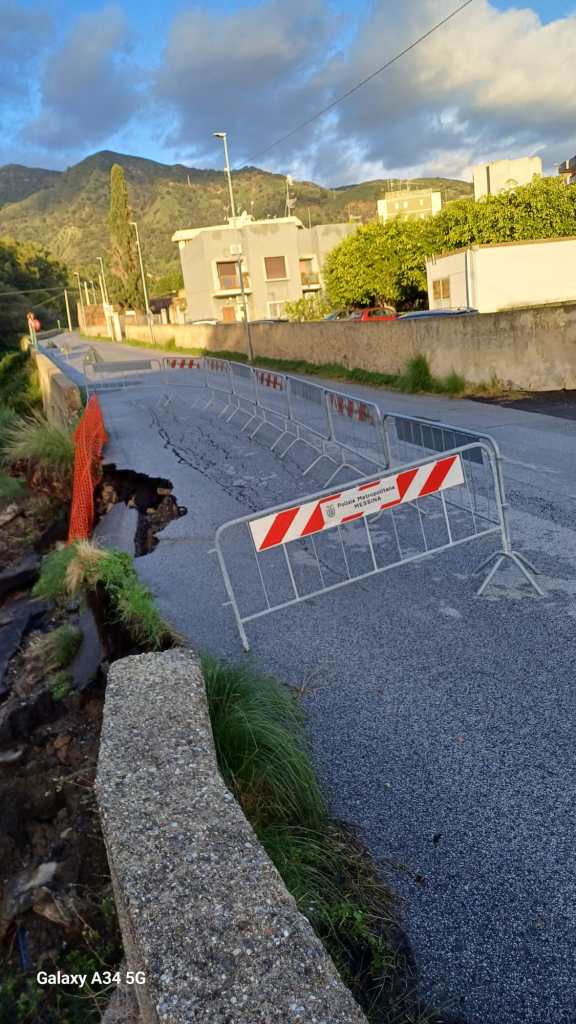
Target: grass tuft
416,377
60,685
82,567
41,444
264,759
11,488
58,648
260,744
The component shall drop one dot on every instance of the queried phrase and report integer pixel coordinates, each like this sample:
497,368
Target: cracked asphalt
442,724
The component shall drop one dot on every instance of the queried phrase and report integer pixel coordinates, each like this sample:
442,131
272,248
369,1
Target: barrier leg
500,556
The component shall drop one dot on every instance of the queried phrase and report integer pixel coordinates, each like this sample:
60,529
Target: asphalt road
442,724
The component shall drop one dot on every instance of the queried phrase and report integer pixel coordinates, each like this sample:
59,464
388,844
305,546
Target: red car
376,313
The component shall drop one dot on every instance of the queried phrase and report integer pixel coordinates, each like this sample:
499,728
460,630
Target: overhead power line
33,291
325,110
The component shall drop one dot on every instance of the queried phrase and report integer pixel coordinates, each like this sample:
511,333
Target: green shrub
416,376
453,384
45,445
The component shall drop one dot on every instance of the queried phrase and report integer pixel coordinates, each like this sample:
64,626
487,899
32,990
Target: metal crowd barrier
112,376
292,552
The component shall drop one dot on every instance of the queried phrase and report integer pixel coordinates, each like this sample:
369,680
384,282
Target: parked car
340,314
423,314
377,313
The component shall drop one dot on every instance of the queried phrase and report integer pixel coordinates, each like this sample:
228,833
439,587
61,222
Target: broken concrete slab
20,576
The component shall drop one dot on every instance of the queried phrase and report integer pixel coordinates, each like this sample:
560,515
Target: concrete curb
203,911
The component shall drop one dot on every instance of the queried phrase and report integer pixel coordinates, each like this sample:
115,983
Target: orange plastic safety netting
89,440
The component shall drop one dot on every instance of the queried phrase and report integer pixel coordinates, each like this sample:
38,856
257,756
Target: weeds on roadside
415,378
45,446
82,567
58,648
264,759
60,685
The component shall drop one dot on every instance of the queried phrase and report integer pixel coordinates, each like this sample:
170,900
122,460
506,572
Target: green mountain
67,211
18,182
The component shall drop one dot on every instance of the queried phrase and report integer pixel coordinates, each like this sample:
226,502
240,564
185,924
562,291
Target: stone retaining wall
532,349
203,911
61,397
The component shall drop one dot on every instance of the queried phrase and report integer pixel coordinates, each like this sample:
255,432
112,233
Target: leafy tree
170,281
387,262
126,285
311,307
380,263
30,279
546,208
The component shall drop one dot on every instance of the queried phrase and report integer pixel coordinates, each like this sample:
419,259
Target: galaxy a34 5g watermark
103,978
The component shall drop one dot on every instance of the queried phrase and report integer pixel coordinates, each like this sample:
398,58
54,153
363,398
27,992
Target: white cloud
87,91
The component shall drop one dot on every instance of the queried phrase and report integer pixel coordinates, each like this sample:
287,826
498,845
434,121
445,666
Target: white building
508,275
503,175
409,204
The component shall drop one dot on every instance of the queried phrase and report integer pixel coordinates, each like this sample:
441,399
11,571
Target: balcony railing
231,283
310,278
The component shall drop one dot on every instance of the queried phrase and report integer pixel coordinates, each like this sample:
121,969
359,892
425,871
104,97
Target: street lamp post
105,300
101,262
223,136
144,288
76,274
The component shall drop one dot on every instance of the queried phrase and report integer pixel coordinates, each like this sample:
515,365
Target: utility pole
68,311
144,288
76,274
222,135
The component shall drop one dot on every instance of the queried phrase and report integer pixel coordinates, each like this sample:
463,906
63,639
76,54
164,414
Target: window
229,314
275,268
275,309
228,275
441,291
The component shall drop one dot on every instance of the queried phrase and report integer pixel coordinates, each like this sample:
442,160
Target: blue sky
156,80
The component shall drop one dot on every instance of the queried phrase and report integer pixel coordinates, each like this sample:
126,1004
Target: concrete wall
60,396
532,349
507,276
203,911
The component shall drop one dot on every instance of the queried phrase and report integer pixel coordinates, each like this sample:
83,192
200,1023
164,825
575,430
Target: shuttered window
275,267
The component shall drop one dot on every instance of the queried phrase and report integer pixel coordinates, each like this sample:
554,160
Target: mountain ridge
67,210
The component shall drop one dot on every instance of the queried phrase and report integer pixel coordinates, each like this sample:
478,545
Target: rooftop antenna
290,199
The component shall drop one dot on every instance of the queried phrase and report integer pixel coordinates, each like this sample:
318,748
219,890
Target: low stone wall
203,911
61,396
532,349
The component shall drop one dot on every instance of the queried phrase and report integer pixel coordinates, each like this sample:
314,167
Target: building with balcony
279,259
409,204
567,171
504,175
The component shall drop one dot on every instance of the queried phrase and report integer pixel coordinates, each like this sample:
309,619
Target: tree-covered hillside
70,216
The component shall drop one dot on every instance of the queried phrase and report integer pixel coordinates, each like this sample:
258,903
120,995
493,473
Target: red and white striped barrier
351,407
270,380
366,499
182,363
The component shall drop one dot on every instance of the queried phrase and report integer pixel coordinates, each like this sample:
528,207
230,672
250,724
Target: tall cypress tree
126,284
